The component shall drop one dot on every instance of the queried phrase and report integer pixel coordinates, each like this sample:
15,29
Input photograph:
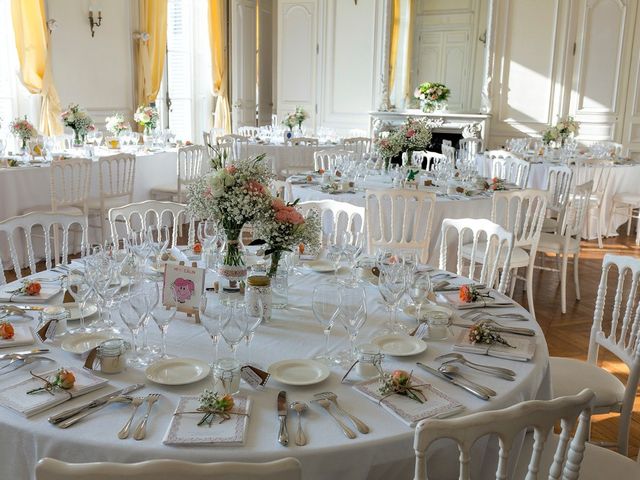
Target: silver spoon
299,407
455,371
124,433
483,368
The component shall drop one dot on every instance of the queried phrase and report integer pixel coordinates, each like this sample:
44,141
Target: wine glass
98,136
352,250
79,289
163,315
133,320
392,283
145,297
212,314
419,290
234,327
253,312
325,304
352,313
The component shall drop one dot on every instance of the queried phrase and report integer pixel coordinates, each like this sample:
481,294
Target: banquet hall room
319,239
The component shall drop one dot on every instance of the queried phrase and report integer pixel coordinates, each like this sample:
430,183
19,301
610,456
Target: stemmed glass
144,299
352,251
419,290
98,138
234,327
163,315
212,314
325,304
80,290
352,313
392,284
133,320
253,313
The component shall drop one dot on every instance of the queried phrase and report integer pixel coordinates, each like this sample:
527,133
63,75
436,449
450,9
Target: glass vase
232,267
78,138
147,137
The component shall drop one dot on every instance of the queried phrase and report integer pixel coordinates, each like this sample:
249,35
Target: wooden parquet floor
568,335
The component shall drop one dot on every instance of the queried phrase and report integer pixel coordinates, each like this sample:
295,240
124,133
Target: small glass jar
369,361
226,376
110,354
438,324
259,289
280,289
58,313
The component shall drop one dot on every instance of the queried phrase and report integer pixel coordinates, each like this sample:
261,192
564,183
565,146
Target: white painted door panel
243,62
265,62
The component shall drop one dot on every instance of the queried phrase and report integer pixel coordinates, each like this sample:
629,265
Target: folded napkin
47,291
438,404
453,299
184,430
523,347
15,396
178,255
22,335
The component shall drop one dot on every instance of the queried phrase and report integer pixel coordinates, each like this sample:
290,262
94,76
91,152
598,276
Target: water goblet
419,290
212,314
133,320
79,288
392,284
324,305
352,313
163,315
234,327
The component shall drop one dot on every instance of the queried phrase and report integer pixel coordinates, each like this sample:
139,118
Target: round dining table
292,333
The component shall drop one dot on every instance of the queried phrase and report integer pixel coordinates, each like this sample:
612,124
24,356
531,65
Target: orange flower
6,331
65,379
465,294
321,171
32,288
197,247
400,377
226,402
301,248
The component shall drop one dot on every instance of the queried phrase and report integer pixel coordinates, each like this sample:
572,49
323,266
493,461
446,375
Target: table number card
183,286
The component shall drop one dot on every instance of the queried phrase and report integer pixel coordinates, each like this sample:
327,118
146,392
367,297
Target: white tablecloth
623,178
386,452
289,158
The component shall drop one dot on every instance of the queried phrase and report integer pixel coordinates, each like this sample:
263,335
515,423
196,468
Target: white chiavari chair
509,425
400,219
447,143
449,152
285,469
240,145
249,132
471,145
491,243
336,217
427,160
325,159
116,174
189,165
281,189
511,169
558,185
599,172
359,145
19,231
624,203
139,216
304,141
616,328
206,138
567,241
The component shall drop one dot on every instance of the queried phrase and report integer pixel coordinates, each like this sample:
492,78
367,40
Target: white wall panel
243,62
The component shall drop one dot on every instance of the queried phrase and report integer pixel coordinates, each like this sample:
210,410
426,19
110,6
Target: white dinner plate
410,310
399,345
321,266
74,310
177,371
299,372
79,343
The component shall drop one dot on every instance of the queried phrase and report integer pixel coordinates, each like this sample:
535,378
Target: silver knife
62,416
441,375
283,435
35,351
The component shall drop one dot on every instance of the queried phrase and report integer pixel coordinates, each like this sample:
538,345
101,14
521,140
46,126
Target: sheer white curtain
15,100
187,79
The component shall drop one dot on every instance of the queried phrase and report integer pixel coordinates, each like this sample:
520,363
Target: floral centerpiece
413,135
301,116
233,196
561,131
432,95
116,124
79,121
284,228
147,117
22,128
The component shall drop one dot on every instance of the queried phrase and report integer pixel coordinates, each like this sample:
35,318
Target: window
185,99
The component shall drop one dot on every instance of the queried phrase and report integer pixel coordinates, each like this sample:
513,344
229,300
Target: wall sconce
93,24
142,36
52,25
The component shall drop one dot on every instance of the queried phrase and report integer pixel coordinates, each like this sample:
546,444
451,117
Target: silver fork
124,433
141,430
324,403
360,425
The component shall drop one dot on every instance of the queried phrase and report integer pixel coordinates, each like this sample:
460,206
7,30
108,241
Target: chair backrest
449,152
206,138
70,182
521,212
304,141
326,159
616,327
359,145
281,189
431,158
240,145
576,211
20,231
117,175
558,185
189,167
596,170
336,217
472,145
150,213
226,149
508,425
249,132
398,218
511,169
285,469
496,244
447,143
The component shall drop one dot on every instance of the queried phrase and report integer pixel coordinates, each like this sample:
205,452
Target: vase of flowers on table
433,96
79,121
289,122
24,131
233,196
561,132
116,124
412,136
147,117
388,147
300,116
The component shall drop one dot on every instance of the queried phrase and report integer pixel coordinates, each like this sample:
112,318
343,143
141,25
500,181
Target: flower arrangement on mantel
432,95
561,131
79,121
23,129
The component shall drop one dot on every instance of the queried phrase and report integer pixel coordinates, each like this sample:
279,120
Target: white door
631,136
265,62
243,62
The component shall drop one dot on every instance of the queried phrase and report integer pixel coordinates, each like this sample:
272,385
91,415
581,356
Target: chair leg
576,276
599,230
629,219
530,290
563,284
514,275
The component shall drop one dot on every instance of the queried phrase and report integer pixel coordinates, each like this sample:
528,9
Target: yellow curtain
393,50
218,42
32,39
151,53
406,88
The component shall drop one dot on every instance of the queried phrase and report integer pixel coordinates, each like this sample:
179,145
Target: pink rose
410,133
231,169
255,187
277,204
207,193
289,215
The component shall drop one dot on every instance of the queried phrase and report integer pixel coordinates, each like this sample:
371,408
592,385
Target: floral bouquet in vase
116,124
79,121
433,96
233,196
147,117
561,131
387,146
22,128
300,116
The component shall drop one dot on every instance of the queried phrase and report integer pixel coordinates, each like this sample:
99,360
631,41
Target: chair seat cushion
627,197
94,203
519,256
550,242
549,225
570,376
